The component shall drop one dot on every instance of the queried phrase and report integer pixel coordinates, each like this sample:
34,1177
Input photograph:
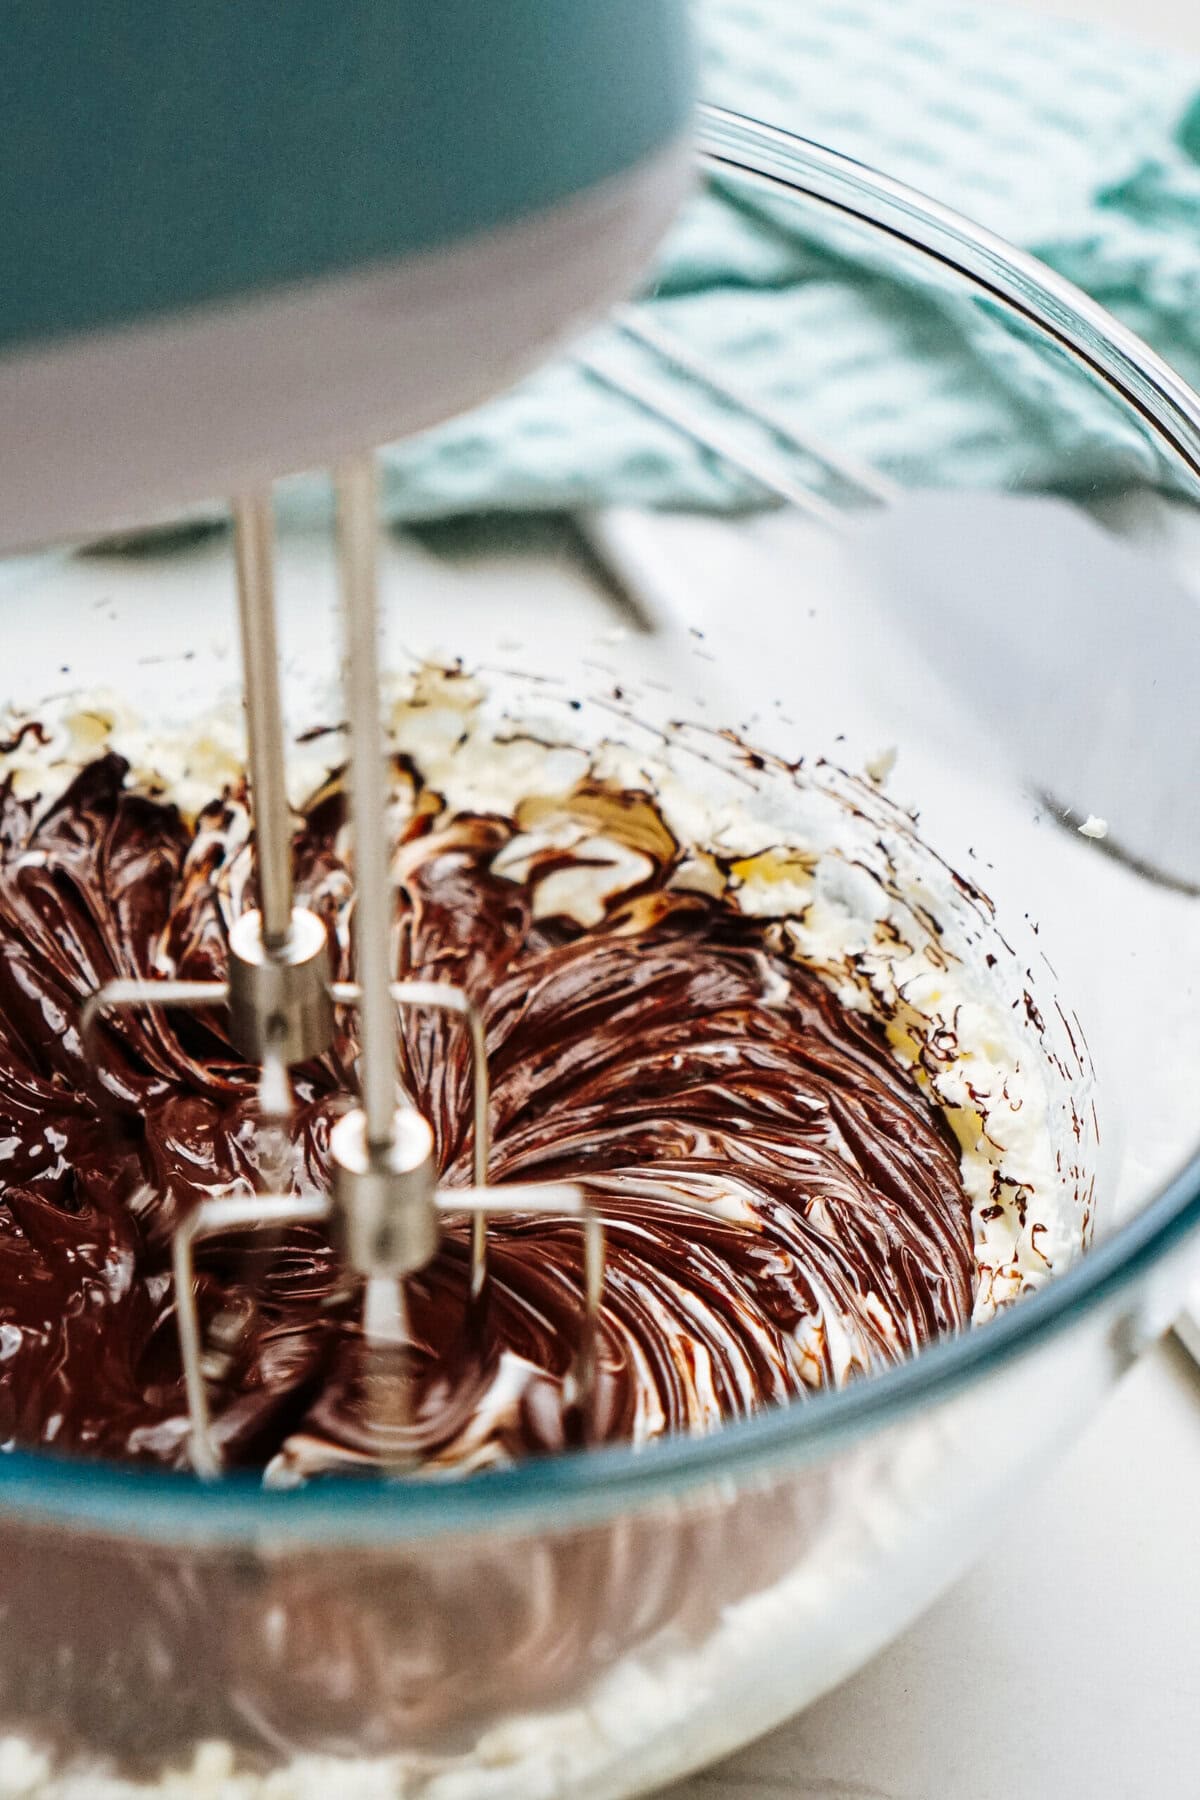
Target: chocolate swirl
783,1208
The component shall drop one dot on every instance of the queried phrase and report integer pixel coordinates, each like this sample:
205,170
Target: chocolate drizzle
783,1207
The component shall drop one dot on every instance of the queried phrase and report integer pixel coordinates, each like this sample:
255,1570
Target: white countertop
1085,1679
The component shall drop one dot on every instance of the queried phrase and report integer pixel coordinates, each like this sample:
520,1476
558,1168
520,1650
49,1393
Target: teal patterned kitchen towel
1071,142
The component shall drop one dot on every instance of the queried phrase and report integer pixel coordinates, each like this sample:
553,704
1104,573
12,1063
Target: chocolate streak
783,1208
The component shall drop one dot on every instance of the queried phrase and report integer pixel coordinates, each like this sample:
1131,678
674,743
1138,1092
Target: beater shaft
278,956
357,525
385,1172
254,544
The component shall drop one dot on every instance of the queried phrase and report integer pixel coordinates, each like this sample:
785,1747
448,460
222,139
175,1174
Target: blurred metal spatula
1078,652
1078,649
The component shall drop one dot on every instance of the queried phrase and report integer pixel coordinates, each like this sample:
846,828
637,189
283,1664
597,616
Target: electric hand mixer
241,245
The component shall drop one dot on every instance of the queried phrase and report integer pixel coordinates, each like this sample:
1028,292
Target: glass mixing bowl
602,1622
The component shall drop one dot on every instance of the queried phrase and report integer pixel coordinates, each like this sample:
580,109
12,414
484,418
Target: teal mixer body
171,174
162,157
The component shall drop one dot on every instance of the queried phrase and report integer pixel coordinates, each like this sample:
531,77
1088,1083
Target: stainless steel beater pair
386,1208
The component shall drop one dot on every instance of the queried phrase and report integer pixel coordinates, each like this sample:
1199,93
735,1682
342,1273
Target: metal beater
385,1207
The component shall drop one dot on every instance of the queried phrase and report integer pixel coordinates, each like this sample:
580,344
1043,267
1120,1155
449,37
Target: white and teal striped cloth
1069,141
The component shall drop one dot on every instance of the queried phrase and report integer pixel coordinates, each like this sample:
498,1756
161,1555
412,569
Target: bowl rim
580,1487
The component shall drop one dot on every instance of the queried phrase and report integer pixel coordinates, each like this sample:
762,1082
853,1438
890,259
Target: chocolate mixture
783,1208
